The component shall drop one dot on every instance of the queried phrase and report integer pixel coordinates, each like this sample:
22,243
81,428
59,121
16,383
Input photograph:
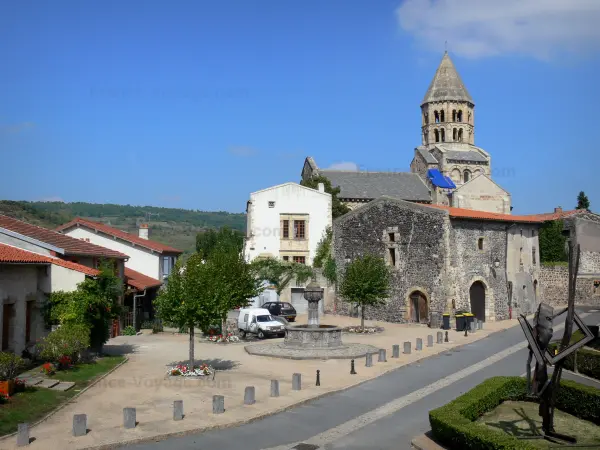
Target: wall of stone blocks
554,285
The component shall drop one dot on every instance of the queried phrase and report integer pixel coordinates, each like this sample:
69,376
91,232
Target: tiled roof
139,280
556,215
9,254
463,213
106,229
370,185
70,245
465,156
428,157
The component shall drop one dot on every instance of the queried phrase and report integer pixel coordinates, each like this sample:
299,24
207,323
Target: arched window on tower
454,134
436,116
469,116
442,115
437,135
443,135
453,115
460,135
459,116
466,176
426,118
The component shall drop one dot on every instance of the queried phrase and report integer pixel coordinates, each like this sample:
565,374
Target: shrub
129,331
157,327
147,325
454,424
588,360
68,340
48,369
10,366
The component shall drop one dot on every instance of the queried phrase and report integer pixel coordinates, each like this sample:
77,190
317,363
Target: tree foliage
366,281
323,249
552,242
582,201
226,238
95,303
337,207
280,273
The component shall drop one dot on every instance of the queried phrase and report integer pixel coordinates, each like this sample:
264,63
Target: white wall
482,194
522,268
63,279
16,242
140,259
290,198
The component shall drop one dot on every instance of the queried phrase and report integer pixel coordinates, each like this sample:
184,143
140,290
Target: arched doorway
477,296
419,309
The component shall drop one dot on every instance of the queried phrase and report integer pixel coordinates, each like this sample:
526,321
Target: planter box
7,387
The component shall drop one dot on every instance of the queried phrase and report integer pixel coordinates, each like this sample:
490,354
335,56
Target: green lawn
35,403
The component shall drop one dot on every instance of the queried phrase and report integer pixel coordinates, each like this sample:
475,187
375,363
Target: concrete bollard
430,340
446,337
79,425
407,348
419,344
382,357
249,396
296,382
473,327
218,404
395,351
274,388
369,360
178,410
480,324
129,417
22,434
440,337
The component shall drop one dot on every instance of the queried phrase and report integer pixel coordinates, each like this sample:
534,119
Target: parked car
281,309
260,322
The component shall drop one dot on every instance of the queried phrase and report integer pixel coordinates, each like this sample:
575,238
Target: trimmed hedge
454,424
588,361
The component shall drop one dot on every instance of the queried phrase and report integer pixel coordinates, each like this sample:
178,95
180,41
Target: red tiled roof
463,213
556,215
70,245
139,280
9,254
132,238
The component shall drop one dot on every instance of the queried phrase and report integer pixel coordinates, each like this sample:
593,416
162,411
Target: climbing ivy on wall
552,242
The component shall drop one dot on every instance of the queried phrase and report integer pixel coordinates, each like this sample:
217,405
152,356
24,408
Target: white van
260,322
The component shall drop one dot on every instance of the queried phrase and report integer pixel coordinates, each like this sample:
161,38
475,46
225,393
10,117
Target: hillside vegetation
172,226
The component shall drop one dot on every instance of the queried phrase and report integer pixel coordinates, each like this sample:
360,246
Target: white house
287,222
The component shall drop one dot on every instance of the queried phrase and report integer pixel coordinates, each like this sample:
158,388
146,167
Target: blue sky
195,104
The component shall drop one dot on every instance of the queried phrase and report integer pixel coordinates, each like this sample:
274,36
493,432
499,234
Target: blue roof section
439,180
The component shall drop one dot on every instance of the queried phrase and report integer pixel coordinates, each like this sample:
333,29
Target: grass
35,403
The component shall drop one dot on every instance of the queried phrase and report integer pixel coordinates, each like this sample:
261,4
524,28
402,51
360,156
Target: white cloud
478,28
346,165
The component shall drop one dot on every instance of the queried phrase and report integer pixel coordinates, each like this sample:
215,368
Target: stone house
444,259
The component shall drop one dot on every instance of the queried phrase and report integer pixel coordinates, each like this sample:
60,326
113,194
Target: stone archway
418,307
477,299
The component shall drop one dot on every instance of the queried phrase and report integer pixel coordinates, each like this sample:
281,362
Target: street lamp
313,293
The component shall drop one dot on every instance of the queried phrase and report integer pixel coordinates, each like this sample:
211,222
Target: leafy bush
157,327
10,366
147,325
68,340
129,331
454,424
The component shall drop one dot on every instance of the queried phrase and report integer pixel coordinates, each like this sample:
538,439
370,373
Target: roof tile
139,280
9,254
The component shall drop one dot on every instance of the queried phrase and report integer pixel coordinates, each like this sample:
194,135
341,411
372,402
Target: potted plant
10,366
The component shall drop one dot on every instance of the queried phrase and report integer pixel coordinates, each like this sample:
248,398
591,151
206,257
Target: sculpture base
310,336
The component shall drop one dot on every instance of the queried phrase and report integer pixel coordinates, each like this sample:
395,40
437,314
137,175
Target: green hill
171,226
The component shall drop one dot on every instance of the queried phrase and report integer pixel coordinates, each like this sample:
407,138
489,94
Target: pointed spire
447,84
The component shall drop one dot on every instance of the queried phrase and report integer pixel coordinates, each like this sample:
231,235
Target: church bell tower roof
447,84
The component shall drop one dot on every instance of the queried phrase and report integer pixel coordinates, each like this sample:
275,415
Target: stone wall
554,285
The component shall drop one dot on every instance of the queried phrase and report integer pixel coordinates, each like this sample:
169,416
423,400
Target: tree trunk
362,317
191,361
224,327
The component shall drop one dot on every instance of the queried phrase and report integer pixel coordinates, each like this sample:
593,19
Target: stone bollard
382,357
79,425
274,388
446,337
218,404
249,396
430,340
419,344
178,410
129,417
473,326
407,348
296,382
22,434
369,360
480,324
395,351
440,337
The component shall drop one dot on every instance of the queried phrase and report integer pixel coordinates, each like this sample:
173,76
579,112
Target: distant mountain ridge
172,226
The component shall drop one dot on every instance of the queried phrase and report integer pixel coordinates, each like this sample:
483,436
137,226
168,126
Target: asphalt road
384,413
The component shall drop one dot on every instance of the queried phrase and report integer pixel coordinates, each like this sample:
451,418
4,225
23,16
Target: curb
67,401
162,437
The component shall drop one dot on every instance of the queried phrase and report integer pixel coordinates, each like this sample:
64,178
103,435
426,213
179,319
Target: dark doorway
28,314
477,295
7,315
419,310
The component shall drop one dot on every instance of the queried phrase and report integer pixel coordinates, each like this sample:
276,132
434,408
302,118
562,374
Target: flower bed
360,330
182,370
220,338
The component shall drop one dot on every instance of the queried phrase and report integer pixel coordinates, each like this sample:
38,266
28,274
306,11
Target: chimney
558,210
321,187
144,231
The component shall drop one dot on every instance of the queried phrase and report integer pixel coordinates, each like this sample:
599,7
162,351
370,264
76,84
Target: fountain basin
313,337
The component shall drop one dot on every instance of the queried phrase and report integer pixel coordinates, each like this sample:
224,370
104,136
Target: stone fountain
312,340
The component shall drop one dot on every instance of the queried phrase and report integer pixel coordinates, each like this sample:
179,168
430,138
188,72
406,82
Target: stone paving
279,350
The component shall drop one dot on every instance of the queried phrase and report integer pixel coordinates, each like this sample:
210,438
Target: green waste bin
468,319
445,321
460,322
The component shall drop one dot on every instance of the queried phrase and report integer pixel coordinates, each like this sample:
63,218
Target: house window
466,176
286,229
300,259
392,259
392,237
286,258
480,243
533,256
299,228
271,204
167,265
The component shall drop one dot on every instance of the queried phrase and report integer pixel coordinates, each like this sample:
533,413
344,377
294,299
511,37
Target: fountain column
313,293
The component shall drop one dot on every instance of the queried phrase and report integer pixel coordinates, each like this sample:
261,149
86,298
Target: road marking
396,405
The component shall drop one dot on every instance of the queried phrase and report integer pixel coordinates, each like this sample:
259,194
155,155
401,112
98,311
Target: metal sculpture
539,337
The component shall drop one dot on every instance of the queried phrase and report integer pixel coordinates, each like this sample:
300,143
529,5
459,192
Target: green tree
95,303
366,281
330,270
552,242
280,273
582,201
323,249
225,237
337,207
